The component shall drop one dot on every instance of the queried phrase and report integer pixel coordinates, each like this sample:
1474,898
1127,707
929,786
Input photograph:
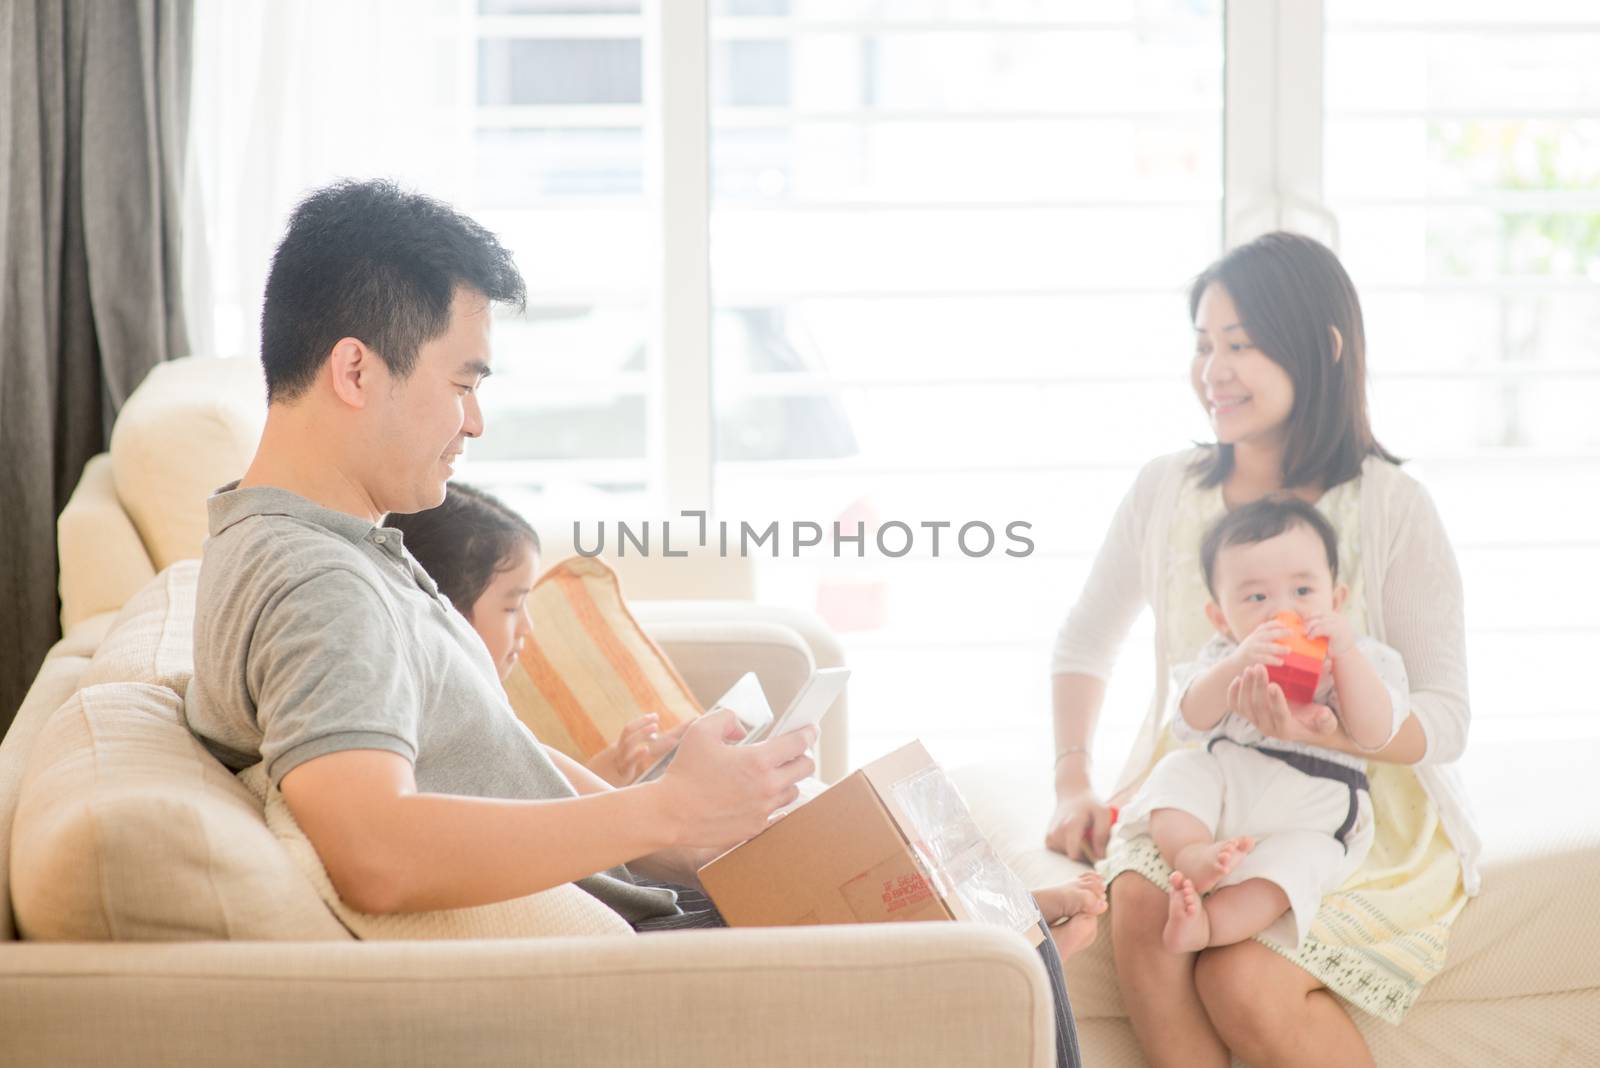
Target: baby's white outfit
1308,808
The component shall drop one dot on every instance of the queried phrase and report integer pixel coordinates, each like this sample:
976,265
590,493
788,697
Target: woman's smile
1227,404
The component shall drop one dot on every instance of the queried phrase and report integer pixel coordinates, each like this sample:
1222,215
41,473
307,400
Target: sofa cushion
562,910
191,426
152,638
126,829
590,668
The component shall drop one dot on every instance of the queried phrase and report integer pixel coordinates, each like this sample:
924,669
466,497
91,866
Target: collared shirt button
379,538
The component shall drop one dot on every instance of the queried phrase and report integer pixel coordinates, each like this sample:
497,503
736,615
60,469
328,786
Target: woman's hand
1261,701
1080,827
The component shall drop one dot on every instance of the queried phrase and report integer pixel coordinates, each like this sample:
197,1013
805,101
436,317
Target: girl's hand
638,746
1261,701
1264,645
1334,626
641,744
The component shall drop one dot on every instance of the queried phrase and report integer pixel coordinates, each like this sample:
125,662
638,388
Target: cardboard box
891,842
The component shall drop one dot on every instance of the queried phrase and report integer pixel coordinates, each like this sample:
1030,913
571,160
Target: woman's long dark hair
465,541
1288,290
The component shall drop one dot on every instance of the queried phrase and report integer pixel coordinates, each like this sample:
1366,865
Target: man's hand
1261,701
715,793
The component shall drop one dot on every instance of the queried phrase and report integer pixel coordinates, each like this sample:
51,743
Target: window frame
1272,179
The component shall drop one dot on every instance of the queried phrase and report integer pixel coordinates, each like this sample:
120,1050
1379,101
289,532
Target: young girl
484,557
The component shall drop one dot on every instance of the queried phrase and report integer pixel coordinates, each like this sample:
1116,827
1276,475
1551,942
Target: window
1476,246
560,130
924,261
943,238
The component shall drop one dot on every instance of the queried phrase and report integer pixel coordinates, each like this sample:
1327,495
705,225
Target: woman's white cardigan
1414,604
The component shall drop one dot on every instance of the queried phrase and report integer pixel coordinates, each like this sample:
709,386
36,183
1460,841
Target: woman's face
500,614
1246,395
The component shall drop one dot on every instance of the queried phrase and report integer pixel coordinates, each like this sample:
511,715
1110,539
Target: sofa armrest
103,560
712,643
893,994
58,677
712,656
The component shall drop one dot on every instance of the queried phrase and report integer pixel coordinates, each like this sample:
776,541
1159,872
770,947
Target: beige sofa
893,994
1521,985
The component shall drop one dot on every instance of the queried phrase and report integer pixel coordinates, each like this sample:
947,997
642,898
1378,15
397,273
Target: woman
1279,368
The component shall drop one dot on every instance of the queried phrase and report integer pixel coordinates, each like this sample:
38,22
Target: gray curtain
93,126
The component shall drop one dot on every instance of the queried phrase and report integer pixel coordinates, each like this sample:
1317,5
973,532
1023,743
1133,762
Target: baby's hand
1334,626
1264,645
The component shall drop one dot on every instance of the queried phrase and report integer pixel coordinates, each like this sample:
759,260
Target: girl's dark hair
1260,520
1288,290
464,542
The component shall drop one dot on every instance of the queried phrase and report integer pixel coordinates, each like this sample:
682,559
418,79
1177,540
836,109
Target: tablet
748,701
815,699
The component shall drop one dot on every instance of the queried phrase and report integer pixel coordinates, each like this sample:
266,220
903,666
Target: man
323,649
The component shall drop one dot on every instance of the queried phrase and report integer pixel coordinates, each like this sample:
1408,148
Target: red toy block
1302,664
1299,663
1298,686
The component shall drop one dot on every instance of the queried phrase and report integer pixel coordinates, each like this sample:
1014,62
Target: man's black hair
375,262
1260,520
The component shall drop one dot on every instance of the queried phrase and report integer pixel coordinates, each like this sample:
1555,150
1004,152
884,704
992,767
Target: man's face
427,417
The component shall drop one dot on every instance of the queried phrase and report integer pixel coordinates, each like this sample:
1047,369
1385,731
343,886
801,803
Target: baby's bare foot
1188,927
1207,865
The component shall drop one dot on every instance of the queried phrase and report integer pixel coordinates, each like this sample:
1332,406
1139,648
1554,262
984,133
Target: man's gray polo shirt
317,632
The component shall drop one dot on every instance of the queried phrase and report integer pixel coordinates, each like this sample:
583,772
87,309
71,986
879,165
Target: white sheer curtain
292,94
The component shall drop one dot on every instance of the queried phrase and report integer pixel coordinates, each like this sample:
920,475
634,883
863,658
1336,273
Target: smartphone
746,700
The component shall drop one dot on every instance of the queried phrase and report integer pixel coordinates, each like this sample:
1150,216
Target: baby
1257,829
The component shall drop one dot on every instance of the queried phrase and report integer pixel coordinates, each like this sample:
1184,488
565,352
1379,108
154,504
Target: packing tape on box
956,857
